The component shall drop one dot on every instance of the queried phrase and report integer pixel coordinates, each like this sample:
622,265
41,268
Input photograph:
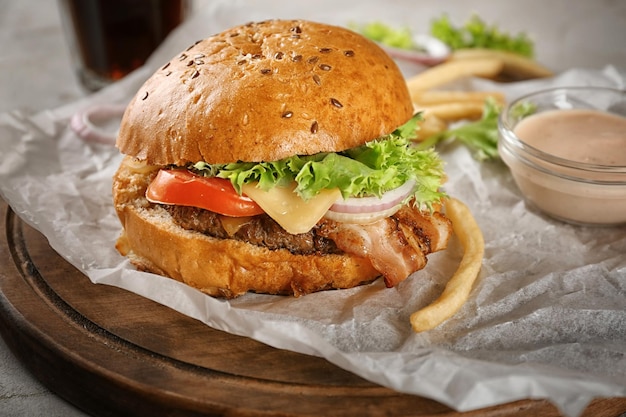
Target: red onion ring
374,204
435,51
86,123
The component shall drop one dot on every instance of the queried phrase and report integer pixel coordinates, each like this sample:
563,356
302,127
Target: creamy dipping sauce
580,135
594,196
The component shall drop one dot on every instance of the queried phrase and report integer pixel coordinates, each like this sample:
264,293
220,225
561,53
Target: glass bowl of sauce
566,149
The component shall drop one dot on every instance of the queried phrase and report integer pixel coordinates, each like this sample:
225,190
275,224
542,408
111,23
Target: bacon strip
396,246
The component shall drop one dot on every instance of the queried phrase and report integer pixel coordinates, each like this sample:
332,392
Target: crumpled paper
546,318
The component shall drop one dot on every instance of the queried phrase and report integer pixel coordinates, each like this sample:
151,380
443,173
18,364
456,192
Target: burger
276,157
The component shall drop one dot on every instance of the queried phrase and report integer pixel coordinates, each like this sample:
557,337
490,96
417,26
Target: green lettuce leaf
401,38
475,33
368,170
481,136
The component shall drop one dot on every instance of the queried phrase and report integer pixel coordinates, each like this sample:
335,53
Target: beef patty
259,230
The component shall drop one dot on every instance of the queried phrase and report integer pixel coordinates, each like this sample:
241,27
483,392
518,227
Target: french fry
454,70
426,98
431,125
515,66
452,112
457,290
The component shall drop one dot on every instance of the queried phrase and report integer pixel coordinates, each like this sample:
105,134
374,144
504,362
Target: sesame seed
192,45
165,66
145,96
349,53
336,103
316,79
314,127
325,67
287,114
278,55
266,71
182,57
312,60
325,50
195,74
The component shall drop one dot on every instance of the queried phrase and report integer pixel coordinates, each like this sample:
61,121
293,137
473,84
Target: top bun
265,91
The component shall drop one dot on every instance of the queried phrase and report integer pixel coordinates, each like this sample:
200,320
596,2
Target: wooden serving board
113,353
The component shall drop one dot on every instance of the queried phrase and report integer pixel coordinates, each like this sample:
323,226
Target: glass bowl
574,177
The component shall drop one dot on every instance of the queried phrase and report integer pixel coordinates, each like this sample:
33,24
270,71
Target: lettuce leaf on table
475,33
480,136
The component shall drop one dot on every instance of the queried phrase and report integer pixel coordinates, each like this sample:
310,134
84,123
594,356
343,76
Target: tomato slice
184,188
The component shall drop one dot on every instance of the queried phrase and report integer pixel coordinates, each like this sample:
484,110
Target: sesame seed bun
265,91
258,92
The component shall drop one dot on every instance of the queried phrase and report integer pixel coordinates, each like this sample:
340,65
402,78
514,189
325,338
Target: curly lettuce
368,170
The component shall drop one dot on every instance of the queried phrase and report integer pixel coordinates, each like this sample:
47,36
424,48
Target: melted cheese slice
232,224
289,210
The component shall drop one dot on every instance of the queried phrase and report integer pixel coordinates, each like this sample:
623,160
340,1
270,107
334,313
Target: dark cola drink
111,38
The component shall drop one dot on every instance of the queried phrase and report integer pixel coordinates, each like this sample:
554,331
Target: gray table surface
36,74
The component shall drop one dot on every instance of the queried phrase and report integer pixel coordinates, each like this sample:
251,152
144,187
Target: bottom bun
219,267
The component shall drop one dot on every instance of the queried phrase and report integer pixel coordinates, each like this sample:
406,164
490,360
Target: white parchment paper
546,319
